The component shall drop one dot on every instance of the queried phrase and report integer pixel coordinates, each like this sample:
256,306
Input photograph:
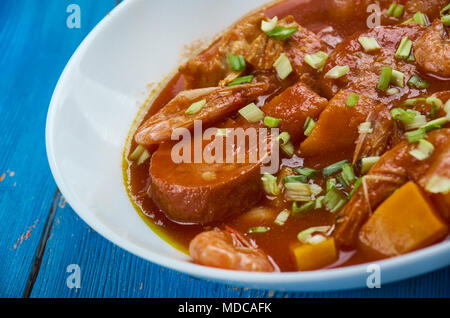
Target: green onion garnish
307,172
438,184
305,235
294,179
446,20
416,81
334,200
392,91
267,26
258,229
419,121
445,9
355,187
331,183
309,126
195,107
423,150
318,203
420,18
367,163
270,184
405,116
252,113
137,153
416,135
365,128
391,10
369,44
281,33
432,100
342,181
334,168
385,78
236,62
395,10
303,209
283,66
298,191
316,60
435,124
241,80
347,173
143,157
398,78
282,217
288,149
284,138
352,100
413,101
272,122
404,49
337,72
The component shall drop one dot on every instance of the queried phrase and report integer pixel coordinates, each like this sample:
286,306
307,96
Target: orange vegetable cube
404,222
315,256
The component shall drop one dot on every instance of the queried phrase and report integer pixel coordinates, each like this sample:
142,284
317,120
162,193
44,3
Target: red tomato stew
353,97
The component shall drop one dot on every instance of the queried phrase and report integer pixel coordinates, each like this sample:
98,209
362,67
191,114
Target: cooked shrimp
229,250
432,50
220,102
393,169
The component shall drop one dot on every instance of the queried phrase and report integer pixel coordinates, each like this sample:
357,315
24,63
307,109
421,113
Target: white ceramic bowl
94,105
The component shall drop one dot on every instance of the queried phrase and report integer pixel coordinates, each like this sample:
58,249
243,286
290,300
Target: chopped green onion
143,157
391,9
272,122
316,60
342,181
367,163
315,189
348,174
282,217
294,179
420,18
365,128
435,124
331,183
236,62
447,109
392,91
195,107
270,184
258,229
334,200
288,149
446,20
284,138
352,100
355,187
305,235
411,57
398,78
303,209
252,113
267,26
415,135
446,8
137,153
432,100
419,121
337,72
385,78
309,126
334,168
318,203
298,191
307,172
283,66
281,33
398,12
414,101
405,116
404,49
438,184
241,80
423,150
369,44
416,81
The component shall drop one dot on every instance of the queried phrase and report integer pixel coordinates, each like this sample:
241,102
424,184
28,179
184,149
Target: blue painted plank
35,45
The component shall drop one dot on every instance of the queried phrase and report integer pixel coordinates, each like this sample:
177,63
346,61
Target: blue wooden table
40,235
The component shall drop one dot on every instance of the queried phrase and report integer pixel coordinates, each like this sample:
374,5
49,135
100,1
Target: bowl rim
310,278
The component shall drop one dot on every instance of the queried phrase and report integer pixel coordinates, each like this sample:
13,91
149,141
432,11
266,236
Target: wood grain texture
35,45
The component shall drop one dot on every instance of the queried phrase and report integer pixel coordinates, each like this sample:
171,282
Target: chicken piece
293,106
336,131
394,169
229,250
220,102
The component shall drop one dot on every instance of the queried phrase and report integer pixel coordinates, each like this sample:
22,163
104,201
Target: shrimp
219,103
432,50
394,168
229,250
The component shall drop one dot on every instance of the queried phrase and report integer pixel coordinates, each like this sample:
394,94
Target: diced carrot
404,222
315,256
